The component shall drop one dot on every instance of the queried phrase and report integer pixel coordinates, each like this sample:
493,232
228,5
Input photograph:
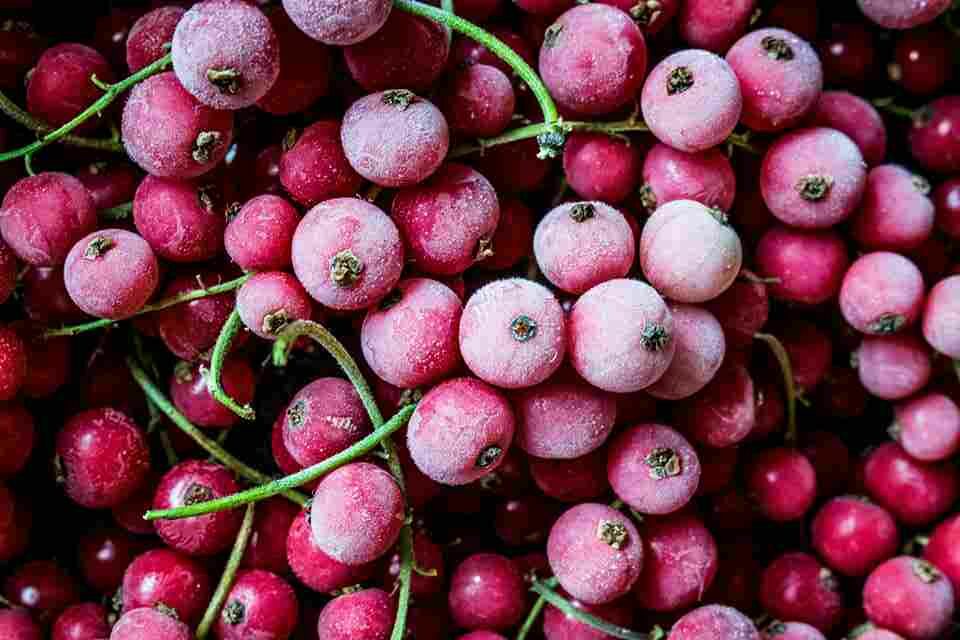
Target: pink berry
909,596
714,622
943,551
357,512
882,293
777,630
148,35
313,567
140,624
486,592
512,333
478,101
573,480
595,553
783,483
347,253
270,301
933,139
853,535
702,26
621,336
361,615
810,350
410,340
394,138
711,256
600,167
42,586
165,579
653,469
460,431
169,133
104,556
561,626
893,367
857,118
742,310
17,624
258,238
668,175
808,265
946,197
338,22
593,59
700,349
514,167
898,15
191,395
189,329
916,493
691,100
323,418
797,587
431,557
313,167
267,548
650,15
780,77
305,69
59,87
182,220
896,212
259,604
85,621
940,315
679,563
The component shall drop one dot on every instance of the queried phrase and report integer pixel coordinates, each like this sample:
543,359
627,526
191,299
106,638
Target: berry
934,140
259,604
338,22
909,596
140,624
313,567
916,493
41,586
17,434
486,592
561,626
939,317
853,535
258,238
148,35
797,587
323,418
896,213
313,167
700,24
882,293
713,622
269,302
806,266
855,117
572,480
79,622
59,87
669,175
478,101
896,15
783,483
17,624
191,396
893,367
182,220
305,69
700,349
189,329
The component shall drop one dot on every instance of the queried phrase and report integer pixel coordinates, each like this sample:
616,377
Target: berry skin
17,434
356,514
43,216
182,220
668,175
600,167
853,535
15,525
783,483
700,349
347,253
258,238
724,412
934,140
259,605
104,556
701,25
512,333
893,367
653,469
17,624
595,553
808,265
916,493
226,53
169,133
412,341
80,622
323,419
305,69
709,261
189,329
270,301
691,100
896,213
777,630
59,87
362,615
573,480
797,587
580,245
8,272
148,35
313,167
593,60
946,197
191,396
479,101
939,317
338,22
559,626
855,117
267,549
313,567
486,592
922,60
429,558
944,552
742,310
714,622
909,596
42,587
899,15
882,293
140,624
848,54
620,336
460,431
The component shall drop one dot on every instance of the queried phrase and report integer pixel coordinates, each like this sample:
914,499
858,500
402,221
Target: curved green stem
447,5
531,620
783,359
96,109
24,119
119,212
561,603
222,456
742,141
525,132
298,479
888,105
186,296
228,576
220,350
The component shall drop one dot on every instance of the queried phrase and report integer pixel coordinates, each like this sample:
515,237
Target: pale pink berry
896,213
714,622
882,293
941,317
700,348
338,22
270,301
893,367
669,175
855,117
928,427
897,14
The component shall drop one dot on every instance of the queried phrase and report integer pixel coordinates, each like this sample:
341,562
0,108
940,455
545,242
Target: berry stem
96,109
547,593
229,574
186,296
540,128
447,5
119,212
24,119
300,478
220,351
210,446
888,105
783,359
535,611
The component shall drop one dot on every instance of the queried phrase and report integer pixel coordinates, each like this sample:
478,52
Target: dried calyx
655,337
814,187
197,493
234,612
274,322
296,414
228,81
489,456
582,211
777,48
97,247
926,571
612,533
551,34
205,144
523,328
399,98
645,12
887,324
345,268
663,463
679,80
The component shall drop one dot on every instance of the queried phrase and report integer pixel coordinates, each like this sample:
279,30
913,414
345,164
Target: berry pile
480,319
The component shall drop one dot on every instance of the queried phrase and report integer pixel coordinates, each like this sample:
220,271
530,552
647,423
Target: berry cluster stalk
228,576
220,351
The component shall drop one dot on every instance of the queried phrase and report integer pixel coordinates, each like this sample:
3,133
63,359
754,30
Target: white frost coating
338,22
699,354
902,14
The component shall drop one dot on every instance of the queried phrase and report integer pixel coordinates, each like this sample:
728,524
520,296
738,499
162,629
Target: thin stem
5,603
298,479
210,446
526,132
561,603
228,576
783,359
28,164
406,577
742,140
24,119
230,329
956,368
531,620
447,5
119,212
888,105
180,298
96,109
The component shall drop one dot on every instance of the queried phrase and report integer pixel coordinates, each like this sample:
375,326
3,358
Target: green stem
447,5
531,620
742,140
783,359
210,446
96,109
405,577
298,479
228,576
561,603
550,145
180,298
119,212
888,105
631,125
230,329
23,118
956,368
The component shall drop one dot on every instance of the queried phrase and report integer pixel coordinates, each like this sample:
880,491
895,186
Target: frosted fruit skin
269,606
563,418
700,348
893,367
315,168
338,22
595,61
149,34
896,213
896,597
640,482
363,615
217,35
808,153
808,264
711,258
177,219
881,285
43,216
853,535
18,624
161,124
696,118
116,283
679,563
777,93
269,294
941,317
600,167
706,177
928,427
259,237
897,14
708,24
313,567
347,224
486,592
323,419
489,341
857,118
413,343
453,425
13,363
446,219
557,625
59,87
605,333
724,412
714,622
392,145
478,101
140,624
578,255
587,567
573,480
357,513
